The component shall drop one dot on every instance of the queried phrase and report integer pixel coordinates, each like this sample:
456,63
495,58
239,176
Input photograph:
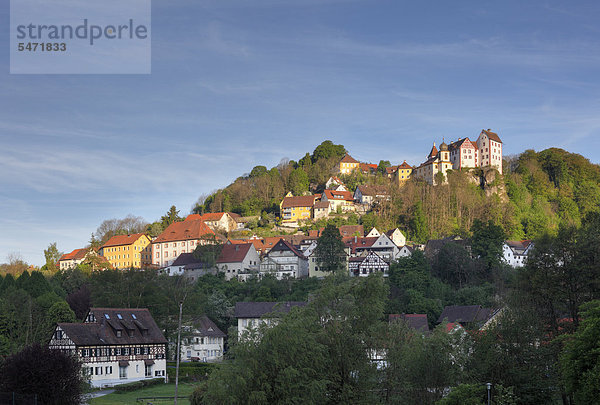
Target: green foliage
137,385
580,359
466,394
52,256
327,150
487,242
329,252
418,224
298,182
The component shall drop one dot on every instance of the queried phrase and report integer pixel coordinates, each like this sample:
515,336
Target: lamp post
489,388
178,354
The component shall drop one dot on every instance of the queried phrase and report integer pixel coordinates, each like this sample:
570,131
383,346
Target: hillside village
293,255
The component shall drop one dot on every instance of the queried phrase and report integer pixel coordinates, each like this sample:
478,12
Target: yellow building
294,209
348,164
126,251
403,172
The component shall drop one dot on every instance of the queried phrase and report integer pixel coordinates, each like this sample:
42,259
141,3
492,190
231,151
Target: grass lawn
163,390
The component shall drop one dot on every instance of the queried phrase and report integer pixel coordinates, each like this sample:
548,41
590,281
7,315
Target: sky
238,83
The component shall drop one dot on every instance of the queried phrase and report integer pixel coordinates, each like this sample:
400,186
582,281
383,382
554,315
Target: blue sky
238,83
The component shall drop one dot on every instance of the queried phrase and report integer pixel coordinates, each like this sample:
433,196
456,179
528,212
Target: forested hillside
538,192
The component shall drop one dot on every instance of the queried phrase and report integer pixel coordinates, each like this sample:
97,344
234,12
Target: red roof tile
298,201
338,195
492,135
348,159
234,253
405,165
119,240
186,230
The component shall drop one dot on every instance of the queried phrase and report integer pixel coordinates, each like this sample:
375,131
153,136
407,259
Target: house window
123,372
137,350
118,333
108,370
148,370
98,370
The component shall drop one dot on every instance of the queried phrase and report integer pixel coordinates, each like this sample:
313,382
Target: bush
191,371
134,386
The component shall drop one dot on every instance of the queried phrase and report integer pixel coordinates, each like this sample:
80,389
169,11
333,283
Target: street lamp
489,388
178,351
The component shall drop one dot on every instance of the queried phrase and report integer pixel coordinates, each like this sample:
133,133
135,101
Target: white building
115,345
515,252
490,149
203,341
180,237
238,258
284,260
251,315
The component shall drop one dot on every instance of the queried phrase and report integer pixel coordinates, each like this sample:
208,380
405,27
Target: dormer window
118,333
106,316
133,316
119,316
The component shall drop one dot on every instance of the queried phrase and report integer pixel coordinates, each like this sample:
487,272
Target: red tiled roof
119,240
433,152
213,216
298,201
373,190
391,169
234,253
186,230
285,245
405,165
492,135
338,195
192,217
348,159
355,242
460,142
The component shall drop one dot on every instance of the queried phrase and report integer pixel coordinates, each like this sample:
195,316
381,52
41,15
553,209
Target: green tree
330,253
382,166
487,242
327,150
580,359
171,216
298,181
52,256
418,224
258,171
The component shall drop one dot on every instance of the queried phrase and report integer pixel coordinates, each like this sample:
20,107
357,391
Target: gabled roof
234,253
259,309
350,230
348,159
298,201
336,180
373,190
77,254
492,135
405,165
415,321
321,205
368,167
103,330
338,195
120,240
184,259
284,245
186,230
462,141
465,314
391,169
204,326
213,216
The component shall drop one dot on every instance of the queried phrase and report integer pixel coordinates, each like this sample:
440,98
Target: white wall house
203,341
238,258
115,345
251,315
490,149
284,260
180,237
515,252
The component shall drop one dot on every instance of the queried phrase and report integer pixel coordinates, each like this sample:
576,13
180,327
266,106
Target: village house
219,222
180,237
368,195
128,251
362,266
314,269
334,183
397,237
403,173
470,317
238,258
71,260
296,208
417,322
515,252
368,168
348,164
115,345
284,260
382,245
203,341
339,201
251,315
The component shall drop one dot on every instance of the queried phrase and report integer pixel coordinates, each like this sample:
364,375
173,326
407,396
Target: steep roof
213,216
338,195
321,204
368,167
433,152
77,254
492,135
462,141
234,253
298,201
184,259
405,165
259,309
186,230
373,190
138,321
285,245
348,159
120,240
204,326
415,321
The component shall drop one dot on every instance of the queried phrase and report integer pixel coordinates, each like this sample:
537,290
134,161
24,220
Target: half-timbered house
115,345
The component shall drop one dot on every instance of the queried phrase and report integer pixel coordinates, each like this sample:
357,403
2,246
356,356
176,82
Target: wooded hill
538,192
